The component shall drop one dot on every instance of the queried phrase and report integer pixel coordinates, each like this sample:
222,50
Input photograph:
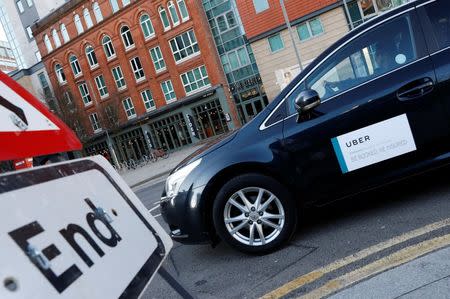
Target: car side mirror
307,100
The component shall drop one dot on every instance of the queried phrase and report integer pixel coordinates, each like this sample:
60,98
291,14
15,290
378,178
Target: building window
60,74
75,66
127,38
183,10
184,46
56,39
101,86
84,91
38,55
64,33
173,13
261,5
78,24
129,108
48,43
235,59
45,87
87,18
125,2
147,98
30,3
309,29
114,5
195,80
95,122
276,43
108,47
29,32
137,69
20,6
97,12
147,26
164,18
92,58
158,60
169,93
118,77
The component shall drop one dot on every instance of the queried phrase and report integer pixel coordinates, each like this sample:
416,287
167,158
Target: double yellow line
400,257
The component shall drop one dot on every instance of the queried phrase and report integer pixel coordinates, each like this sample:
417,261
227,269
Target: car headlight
174,181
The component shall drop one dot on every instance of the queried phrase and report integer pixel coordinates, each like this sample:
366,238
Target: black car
372,109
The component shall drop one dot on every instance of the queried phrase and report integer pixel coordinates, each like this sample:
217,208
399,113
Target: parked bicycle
158,154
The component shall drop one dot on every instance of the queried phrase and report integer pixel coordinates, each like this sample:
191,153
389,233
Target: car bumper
183,214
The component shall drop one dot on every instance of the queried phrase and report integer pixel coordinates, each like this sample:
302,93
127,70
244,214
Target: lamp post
288,24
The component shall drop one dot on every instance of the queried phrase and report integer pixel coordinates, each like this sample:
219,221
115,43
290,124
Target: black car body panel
300,154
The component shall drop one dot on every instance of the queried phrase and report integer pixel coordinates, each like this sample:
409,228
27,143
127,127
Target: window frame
97,12
95,122
83,87
148,99
192,45
75,65
48,43
161,11
64,33
130,112
147,23
122,78
170,91
196,81
173,13
108,48
78,24
127,37
101,86
183,19
310,32
160,59
137,70
270,45
20,6
60,75
87,18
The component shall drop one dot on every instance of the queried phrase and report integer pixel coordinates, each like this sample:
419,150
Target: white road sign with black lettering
75,230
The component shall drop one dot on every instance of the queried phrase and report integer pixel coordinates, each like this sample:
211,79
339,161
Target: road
326,236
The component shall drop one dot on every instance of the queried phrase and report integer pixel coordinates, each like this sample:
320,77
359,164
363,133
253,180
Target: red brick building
142,71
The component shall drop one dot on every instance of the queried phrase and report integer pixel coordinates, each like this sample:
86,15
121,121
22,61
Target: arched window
87,18
114,5
126,37
92,58
56,39
48,43
183,10
60,74
97,12
76,69
147,26
125,2
173,13
78,24
164,18
64,33
108,47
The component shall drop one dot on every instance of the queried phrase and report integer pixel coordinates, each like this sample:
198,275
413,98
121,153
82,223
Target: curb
150,179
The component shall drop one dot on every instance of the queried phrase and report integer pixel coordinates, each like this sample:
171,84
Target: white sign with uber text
76,230
373,144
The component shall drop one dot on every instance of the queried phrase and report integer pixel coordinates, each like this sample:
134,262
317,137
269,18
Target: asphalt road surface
326,235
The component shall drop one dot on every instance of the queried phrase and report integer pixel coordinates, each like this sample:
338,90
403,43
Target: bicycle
158,153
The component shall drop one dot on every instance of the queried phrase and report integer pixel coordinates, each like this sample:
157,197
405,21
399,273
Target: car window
439,15
377,52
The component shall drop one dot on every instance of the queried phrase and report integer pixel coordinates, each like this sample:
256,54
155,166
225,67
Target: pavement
156,170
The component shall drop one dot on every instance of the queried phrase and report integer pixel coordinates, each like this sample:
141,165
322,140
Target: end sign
76,230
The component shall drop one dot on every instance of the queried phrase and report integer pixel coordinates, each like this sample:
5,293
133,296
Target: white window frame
60,75
91,56
136,70
97,12
173,13
178,50
125,2
131,110
87,99
75,65
48,43
78,24
114,6
162,10
29,32
64,33
122,78
108,47
101,87
170,90
159,59
20,6
148,25
87,18
148,100
30,3
183,18
56,39
95,122
197,80
127,37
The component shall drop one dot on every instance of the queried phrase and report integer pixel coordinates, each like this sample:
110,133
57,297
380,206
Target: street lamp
288,24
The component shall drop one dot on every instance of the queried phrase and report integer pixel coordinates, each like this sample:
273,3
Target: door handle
415,89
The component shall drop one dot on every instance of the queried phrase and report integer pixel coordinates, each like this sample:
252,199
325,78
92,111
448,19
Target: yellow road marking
398,258
317,274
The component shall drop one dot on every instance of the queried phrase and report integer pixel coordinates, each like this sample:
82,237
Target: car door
435,17
379,113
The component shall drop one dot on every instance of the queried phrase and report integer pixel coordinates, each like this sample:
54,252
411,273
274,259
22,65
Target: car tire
268,212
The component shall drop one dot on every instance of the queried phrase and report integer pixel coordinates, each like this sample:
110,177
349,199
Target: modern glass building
237,58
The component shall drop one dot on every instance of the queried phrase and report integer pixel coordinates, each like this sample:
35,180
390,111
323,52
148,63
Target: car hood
207,148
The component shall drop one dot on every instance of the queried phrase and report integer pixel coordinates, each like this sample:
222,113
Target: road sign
27,127
76,230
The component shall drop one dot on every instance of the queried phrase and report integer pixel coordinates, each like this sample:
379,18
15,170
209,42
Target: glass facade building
237,58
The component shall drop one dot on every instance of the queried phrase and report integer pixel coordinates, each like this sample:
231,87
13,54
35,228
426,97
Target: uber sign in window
75,230
373,144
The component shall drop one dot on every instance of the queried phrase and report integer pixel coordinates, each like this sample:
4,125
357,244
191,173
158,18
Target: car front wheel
254,214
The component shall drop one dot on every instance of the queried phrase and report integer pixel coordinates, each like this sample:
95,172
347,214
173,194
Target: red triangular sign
27,127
